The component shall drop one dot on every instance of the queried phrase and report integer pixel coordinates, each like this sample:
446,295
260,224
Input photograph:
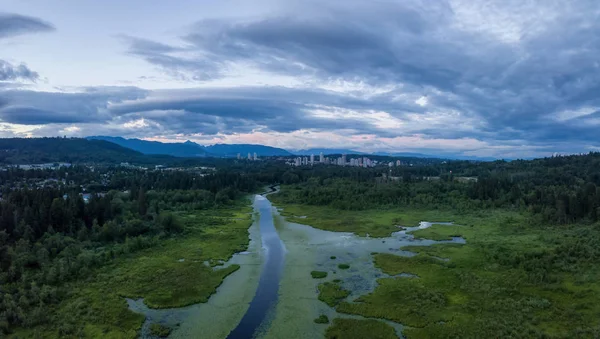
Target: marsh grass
515,277
511,279
332,293
359,329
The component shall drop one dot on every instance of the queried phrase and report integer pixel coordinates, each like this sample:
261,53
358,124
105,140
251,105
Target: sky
486,78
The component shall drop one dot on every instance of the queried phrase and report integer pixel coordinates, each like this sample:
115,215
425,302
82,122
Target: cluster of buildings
340,161
251,157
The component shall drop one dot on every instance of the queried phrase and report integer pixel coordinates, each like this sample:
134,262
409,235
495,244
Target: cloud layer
505,77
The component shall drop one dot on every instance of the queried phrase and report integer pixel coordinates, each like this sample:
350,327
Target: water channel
273,294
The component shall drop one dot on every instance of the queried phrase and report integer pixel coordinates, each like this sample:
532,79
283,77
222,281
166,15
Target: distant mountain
192,149
185,149
73,150
232,150
326,151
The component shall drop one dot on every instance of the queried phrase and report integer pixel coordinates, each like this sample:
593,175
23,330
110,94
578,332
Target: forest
49,235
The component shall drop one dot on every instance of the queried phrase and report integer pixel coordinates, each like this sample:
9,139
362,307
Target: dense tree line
558,189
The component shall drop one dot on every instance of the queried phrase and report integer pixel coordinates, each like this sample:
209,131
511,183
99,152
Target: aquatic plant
322,319
318,274
160,330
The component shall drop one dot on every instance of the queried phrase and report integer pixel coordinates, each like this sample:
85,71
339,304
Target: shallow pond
273,294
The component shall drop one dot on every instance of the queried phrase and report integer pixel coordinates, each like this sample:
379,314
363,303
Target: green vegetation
511,279
332,293
343,266
359,329
333,257
322,319
96,307
160,330
318,274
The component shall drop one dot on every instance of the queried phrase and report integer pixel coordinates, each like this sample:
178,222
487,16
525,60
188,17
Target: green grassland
515,277
171,274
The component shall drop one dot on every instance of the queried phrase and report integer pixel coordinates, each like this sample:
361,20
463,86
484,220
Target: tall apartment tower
312,159
321,158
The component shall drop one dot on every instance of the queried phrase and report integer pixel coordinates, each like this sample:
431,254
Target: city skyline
501,79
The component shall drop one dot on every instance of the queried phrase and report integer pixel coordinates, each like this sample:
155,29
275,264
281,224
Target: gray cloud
15,24
10,72
512,75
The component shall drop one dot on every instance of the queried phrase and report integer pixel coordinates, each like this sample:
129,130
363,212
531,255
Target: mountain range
192,149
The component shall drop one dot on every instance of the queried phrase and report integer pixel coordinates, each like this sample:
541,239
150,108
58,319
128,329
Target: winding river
266,295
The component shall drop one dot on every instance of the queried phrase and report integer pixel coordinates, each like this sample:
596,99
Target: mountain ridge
192,149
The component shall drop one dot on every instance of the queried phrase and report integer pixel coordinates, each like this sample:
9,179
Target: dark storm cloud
512,70
10,72
14,24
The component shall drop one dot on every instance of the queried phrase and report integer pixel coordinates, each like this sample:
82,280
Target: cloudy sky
499,78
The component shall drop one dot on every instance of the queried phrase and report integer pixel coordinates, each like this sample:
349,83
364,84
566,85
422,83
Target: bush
170,223
343,266
322,319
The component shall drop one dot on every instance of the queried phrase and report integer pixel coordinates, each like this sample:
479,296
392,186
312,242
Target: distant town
356,161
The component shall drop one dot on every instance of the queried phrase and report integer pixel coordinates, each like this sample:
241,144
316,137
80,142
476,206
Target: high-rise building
391,164
239,156
298,161
398,163
249,156
312,159
321,158
255,156
343,160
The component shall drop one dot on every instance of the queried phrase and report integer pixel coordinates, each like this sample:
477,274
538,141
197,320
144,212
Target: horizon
491,79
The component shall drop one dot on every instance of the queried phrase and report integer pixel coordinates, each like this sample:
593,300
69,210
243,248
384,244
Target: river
273,294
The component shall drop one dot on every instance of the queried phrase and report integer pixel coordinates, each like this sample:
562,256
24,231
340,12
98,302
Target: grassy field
172,274
375,223
513,278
